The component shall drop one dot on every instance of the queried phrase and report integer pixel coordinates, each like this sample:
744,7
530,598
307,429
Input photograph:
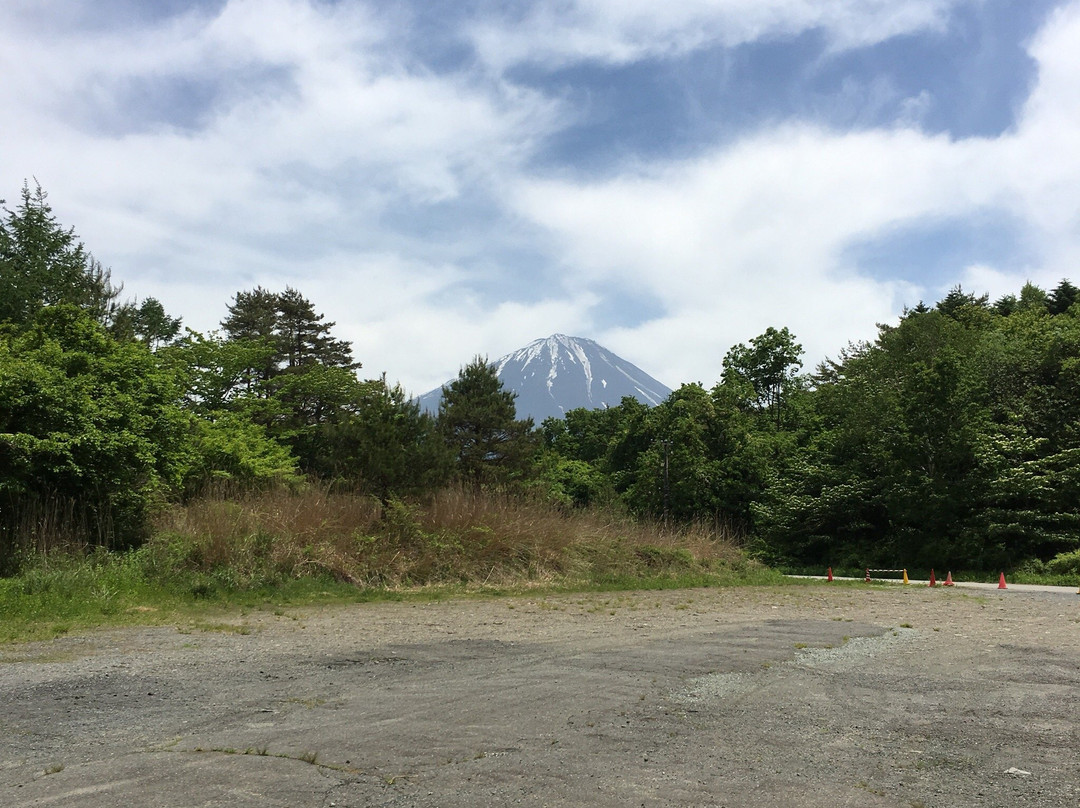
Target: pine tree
303,338
477,419
1006,305
252,316
1032,298
957,299
148,323
288,321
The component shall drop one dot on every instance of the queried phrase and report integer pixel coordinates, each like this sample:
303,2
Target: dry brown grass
457,535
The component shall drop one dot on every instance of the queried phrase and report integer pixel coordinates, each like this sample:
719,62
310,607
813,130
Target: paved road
1057,590
813,696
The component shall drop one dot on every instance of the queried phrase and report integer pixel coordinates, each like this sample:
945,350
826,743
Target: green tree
88,423
386,444
957,300
42,264
1032,298
298,379
230,437
252,322
304,339
148,322
288,321
477,419
951,440
768,370
1062,297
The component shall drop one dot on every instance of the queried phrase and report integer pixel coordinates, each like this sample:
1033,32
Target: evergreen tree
386,444
1006,305
477,419
303,338
252,320
957,299
148,323
287,321
1063,296
299,378
42,264
252,315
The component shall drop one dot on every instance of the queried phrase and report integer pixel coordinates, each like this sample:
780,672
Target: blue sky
445,179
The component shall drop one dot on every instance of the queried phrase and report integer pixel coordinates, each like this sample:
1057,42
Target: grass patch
274,550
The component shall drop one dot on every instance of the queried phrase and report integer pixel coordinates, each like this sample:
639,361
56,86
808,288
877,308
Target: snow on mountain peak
554,375
559,373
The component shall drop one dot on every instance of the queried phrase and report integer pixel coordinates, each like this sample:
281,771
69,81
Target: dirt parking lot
794,696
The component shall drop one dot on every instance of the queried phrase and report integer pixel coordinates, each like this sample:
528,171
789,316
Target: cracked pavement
807,695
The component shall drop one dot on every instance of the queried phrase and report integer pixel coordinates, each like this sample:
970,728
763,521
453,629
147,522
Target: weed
310,703
294,547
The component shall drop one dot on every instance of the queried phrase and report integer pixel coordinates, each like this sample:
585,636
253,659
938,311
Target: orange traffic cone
829,578
933,580
906,581
1001,583
949,580
867,575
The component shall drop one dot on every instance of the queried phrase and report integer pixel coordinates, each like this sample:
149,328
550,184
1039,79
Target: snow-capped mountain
561,373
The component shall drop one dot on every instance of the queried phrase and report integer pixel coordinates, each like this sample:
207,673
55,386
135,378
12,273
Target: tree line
951,439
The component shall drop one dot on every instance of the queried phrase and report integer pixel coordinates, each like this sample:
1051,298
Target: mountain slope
561,373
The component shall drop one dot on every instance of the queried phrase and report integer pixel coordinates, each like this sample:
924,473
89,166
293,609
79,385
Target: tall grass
36,524
316,545
457,535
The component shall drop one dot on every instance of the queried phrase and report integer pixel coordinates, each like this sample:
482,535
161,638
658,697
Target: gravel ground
802,695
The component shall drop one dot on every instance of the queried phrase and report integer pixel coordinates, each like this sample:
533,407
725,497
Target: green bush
1065,563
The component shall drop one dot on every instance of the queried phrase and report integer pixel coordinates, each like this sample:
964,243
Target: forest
951,440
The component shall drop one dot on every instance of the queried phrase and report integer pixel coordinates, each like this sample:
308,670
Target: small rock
1015,772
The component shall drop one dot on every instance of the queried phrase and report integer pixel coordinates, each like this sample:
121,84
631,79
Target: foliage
42,264
477,420
147,322
950,440
767,369
88,421
386,445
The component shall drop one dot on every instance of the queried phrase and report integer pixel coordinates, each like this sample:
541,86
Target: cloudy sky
447,178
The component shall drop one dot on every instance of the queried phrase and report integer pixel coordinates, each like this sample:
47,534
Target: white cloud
322,151
418,323
745,238
282,182
556,32
754,235
339,105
